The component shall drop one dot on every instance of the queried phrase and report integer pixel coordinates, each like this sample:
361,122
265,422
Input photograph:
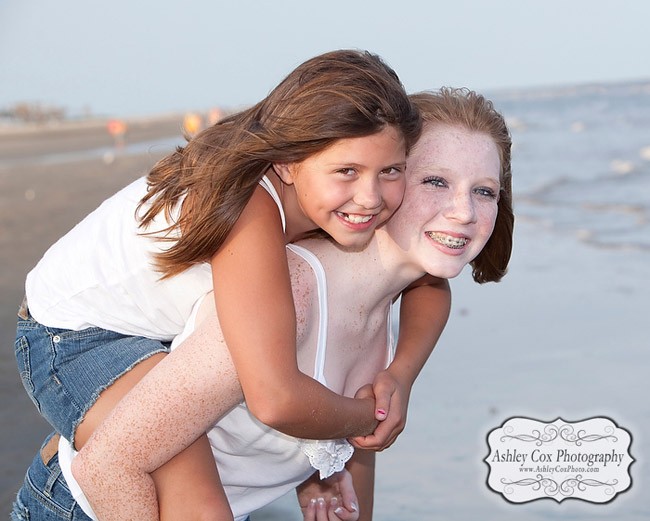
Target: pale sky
146,56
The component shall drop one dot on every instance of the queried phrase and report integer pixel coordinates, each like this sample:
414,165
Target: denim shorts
45,496
64,371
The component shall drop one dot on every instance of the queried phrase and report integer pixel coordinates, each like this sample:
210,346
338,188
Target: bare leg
110,397
188,486
362,468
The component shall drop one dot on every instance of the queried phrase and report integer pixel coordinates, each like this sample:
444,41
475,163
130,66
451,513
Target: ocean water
581,161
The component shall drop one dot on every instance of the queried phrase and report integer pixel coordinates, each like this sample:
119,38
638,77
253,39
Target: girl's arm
423,315
252,291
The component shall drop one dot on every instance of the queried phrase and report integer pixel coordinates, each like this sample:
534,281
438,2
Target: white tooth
356,219
448,240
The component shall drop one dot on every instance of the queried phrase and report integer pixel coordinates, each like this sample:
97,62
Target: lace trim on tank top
326,456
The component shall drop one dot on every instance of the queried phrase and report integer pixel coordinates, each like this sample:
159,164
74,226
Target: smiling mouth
455,243
354,218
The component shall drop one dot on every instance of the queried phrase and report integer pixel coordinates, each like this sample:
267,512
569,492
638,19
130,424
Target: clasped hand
391,404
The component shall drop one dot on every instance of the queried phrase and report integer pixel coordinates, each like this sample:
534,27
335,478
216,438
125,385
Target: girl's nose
461,208
368,194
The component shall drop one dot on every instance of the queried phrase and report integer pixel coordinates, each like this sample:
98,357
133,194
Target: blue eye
435,181
486,192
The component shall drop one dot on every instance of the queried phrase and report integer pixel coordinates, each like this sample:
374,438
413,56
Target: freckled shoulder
305,293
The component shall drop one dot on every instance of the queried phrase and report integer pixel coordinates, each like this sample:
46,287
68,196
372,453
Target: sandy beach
564,335
42,196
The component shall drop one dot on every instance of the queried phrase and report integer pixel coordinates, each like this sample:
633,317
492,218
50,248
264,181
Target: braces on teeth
448,241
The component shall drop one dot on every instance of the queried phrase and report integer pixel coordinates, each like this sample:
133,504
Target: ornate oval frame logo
530,459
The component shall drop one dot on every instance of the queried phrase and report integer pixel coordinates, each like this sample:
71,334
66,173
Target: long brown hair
472,111
341,94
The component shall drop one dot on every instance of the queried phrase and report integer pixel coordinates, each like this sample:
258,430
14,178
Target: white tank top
101,274
258,464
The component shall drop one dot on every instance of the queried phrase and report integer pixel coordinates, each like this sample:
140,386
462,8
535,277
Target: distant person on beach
192,124
324,151
117,129
458,191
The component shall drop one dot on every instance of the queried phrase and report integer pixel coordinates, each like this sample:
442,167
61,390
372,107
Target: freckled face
450,202
351,187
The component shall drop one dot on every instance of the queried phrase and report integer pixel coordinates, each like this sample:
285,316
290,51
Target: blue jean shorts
45,496
64,371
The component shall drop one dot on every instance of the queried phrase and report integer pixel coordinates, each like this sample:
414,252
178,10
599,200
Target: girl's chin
445,272
353,242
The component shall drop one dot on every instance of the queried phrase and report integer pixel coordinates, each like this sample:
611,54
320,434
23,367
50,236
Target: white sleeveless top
258,464
101,274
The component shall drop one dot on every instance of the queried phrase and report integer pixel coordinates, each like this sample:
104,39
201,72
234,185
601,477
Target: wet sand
564,335
41,198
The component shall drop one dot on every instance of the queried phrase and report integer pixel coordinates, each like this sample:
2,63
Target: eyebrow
354,164
427,170
432,169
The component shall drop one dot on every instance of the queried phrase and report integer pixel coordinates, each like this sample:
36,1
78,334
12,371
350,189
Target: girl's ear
285,171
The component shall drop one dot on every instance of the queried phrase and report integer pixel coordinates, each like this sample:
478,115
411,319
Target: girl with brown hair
324,151
457,209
